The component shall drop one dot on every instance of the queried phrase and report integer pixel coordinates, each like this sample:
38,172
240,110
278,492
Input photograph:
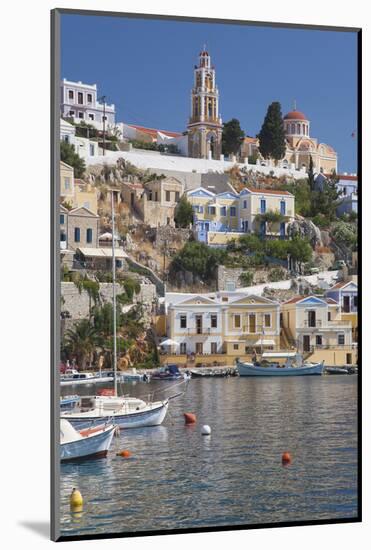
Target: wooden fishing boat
84,444
293,366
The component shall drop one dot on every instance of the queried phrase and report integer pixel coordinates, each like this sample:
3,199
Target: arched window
293,128
298,128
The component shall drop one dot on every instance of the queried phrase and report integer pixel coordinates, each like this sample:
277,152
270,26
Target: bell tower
205,124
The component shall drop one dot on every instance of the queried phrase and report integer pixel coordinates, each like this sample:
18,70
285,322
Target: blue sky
145,68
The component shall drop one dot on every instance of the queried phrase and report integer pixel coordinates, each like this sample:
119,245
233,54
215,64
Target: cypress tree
272,134
232,137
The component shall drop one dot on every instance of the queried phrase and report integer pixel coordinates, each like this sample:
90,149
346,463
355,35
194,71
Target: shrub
246,278
276,274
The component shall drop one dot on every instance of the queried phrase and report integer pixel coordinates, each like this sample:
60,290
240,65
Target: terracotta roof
341,284
347,177
153,131
249,139
268,191
295,299
295,115
331,301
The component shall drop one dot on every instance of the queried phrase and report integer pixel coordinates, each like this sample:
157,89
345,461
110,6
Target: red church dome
295,115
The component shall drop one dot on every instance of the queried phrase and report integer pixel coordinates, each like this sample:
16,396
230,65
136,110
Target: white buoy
206,430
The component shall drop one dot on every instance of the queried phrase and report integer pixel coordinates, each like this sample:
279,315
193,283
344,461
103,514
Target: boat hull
137,419
95,446
248,369
86,381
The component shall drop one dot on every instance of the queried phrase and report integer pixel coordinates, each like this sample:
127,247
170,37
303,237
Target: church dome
295,115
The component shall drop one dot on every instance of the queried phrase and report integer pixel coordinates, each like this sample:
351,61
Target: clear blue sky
145,68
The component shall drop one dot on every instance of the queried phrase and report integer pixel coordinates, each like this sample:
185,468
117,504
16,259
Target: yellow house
314,326
218,218
220,326
255,203
76,192
67,183
218,210
85,196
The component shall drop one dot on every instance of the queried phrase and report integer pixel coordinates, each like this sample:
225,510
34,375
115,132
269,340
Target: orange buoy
190,418
286,458
124,454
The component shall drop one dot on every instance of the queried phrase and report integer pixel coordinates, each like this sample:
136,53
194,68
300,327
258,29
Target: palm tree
80,342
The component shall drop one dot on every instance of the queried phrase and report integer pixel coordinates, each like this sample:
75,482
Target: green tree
300,251
183,213
69,156
326,200
232,137
271,217
80,342
246,278
199,259
272,134
311,174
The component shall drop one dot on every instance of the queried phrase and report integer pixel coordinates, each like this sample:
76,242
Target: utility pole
103,99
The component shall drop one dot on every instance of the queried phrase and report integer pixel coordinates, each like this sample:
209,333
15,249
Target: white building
80,102
84,147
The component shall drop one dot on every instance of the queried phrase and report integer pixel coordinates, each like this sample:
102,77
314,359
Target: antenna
294,104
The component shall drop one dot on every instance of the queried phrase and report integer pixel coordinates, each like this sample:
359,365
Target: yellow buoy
76,500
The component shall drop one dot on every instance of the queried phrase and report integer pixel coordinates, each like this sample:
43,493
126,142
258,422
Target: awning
279,354
264,342
102,252
169,342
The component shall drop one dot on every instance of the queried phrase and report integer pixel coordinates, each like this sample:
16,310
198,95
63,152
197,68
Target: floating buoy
124,454
286,458
206,430
190,418
76,500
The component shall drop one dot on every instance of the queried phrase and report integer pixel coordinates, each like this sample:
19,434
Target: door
311,318
199,347
199,324
346,304
252,323
306,342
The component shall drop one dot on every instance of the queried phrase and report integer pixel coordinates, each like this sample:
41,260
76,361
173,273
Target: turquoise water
177,478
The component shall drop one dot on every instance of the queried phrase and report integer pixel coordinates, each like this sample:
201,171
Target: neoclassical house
205,124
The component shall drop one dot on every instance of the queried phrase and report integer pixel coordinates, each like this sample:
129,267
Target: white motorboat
293,366
73,377
126,412
90,443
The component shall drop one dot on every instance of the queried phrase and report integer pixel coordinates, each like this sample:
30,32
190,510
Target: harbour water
177,478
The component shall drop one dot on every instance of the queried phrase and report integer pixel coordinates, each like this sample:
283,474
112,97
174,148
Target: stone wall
232,275
77,304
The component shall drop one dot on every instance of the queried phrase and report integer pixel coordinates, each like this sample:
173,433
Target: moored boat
293,366
69,402
73,377
84,444
169,372
125,412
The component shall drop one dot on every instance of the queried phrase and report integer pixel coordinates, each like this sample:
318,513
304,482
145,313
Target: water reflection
177,478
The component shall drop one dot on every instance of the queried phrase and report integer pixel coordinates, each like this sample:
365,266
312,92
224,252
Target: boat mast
114,297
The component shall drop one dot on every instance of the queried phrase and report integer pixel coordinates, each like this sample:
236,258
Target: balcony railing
312,324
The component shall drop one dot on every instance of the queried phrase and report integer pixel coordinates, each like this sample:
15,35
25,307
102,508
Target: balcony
312,324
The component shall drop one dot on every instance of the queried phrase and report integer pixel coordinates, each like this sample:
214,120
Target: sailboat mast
114,296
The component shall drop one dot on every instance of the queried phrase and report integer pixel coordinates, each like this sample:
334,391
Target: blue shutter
89,235
77,234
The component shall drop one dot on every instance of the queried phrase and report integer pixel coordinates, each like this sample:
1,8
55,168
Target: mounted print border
199,273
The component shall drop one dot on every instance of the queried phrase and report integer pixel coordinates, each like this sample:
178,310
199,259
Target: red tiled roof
153,131
295,299
295,115
249,139
341,284
268,191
